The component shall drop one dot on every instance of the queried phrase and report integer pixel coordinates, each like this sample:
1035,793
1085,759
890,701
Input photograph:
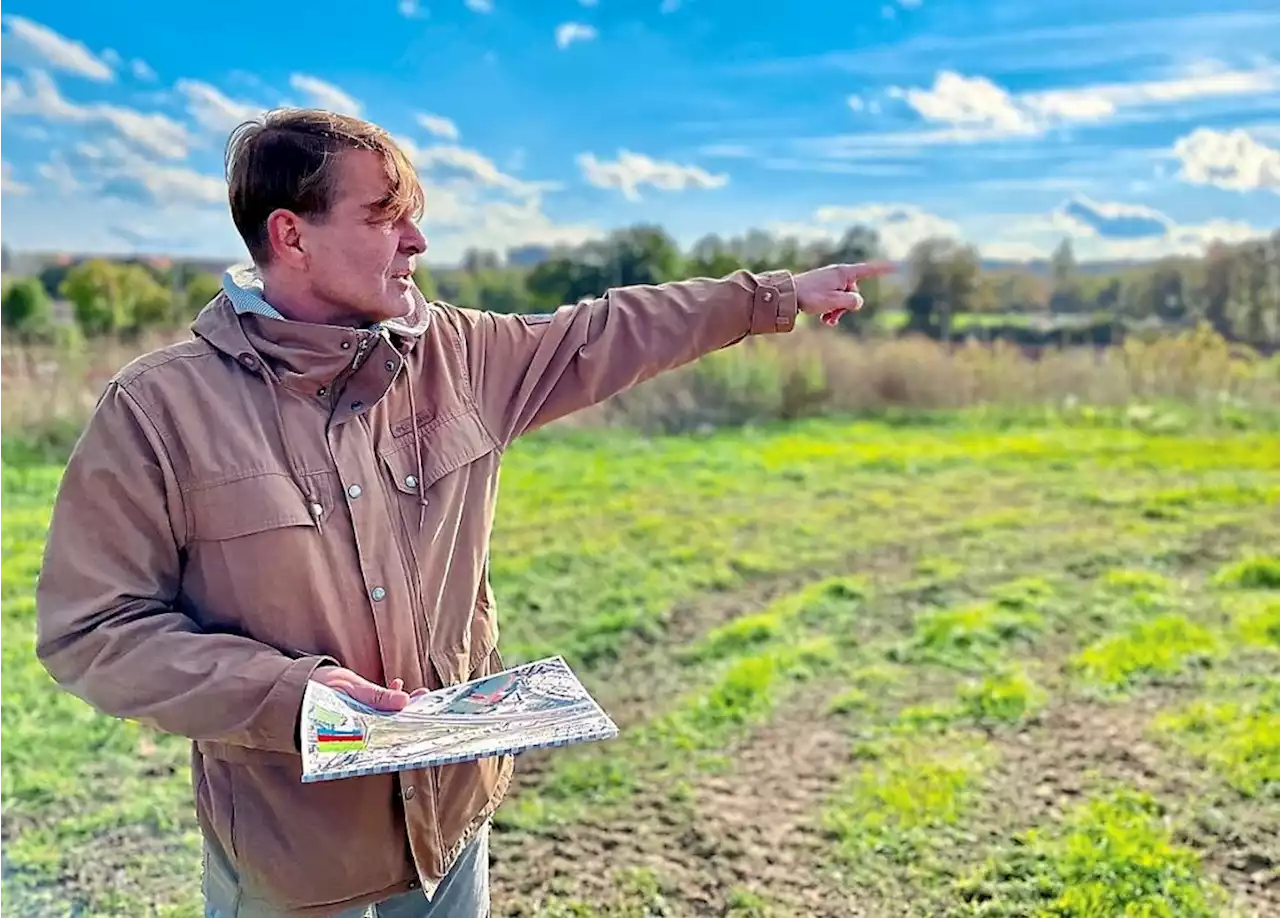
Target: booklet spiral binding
534,706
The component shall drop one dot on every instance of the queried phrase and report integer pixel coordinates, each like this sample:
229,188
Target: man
306,490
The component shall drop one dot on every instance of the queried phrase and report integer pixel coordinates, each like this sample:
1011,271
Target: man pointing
306,489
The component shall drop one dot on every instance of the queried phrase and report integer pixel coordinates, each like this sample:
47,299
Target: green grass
1162,647
929,587
1237,737
1109,857
902,799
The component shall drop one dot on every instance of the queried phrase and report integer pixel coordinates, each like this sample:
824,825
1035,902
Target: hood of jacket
239,321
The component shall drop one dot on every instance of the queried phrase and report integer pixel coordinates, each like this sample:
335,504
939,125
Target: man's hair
289,159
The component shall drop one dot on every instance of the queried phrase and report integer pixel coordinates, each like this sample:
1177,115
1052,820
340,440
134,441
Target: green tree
426,283
113,298
944,282
1067,295
27,310
200,290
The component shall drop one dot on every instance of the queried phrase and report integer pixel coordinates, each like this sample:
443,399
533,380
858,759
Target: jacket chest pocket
249,539
254,504
446,447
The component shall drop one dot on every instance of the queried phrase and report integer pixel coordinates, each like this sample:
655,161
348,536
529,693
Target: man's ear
286,237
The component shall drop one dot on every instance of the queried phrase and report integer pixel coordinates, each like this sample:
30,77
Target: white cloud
1105,231
57,51
631,170
154,132
480,6
10,185
1234,160
900,226
214,111
118,171
499,225
472,203
450,161
569,32
976,108
438,125
1111,218
142,70
325,95
59,174
411,9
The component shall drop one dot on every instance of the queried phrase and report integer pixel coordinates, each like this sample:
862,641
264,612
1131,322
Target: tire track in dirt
756,825
748,828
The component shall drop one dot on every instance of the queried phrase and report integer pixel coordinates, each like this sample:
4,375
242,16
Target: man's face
357,264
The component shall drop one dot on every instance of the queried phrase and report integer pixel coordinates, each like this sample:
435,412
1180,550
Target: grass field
958,666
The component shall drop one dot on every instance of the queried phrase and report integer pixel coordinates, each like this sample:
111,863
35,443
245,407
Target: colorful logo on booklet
333,734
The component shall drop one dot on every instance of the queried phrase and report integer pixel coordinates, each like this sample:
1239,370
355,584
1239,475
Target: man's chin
397,307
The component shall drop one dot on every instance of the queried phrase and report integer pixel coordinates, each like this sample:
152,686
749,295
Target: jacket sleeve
529,370
109,627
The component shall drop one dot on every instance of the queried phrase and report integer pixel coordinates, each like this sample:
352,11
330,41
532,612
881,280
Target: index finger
851,274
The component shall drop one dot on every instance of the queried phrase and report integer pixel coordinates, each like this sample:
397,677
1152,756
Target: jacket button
354,491
410,481
768,296
408,792
390,365
357,405
378,594
322,391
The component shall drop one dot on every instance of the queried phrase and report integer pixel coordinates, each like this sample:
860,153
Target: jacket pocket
252,504
293,840
448,446
259,563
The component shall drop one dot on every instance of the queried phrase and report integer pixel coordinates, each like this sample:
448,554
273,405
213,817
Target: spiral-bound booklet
533,706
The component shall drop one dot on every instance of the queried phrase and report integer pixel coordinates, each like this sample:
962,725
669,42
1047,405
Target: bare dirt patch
705,838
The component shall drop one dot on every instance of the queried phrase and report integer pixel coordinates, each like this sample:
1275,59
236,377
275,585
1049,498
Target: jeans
463,893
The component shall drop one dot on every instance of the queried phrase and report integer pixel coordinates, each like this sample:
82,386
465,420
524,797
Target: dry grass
48,392
816,372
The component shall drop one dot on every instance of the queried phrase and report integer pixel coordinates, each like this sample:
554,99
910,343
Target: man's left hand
831,291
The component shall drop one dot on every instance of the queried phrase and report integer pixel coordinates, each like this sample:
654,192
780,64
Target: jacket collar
299,355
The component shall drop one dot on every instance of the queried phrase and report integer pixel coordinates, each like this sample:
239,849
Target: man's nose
412,240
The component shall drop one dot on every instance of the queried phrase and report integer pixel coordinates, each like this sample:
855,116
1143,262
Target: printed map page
533,706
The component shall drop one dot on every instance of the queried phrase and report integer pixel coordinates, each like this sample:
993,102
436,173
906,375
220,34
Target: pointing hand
831,291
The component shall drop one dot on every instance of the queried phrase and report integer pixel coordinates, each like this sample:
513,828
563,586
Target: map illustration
537,705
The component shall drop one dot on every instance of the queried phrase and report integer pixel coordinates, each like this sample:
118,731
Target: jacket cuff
774,308
284,704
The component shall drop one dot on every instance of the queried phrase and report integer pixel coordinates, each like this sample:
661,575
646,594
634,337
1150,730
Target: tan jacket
273,495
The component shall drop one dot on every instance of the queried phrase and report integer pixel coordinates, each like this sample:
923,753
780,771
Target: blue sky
1136,129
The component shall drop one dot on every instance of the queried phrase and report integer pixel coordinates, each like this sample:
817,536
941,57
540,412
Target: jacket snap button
378,594
410,481
357,405
322,391
768,295
390,365
354,491
408,792
248,360
346,345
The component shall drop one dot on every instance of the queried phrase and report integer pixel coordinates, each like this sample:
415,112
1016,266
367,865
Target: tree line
944,289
